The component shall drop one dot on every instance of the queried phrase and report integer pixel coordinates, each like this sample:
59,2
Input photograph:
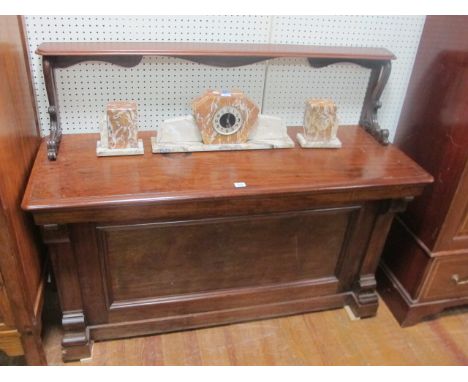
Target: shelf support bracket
55,135
377,81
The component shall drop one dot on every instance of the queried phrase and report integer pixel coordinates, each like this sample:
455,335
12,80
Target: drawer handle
457,280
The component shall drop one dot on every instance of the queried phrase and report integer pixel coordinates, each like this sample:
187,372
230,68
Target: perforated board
164,87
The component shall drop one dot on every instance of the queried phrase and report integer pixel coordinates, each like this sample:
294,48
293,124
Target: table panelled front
129,261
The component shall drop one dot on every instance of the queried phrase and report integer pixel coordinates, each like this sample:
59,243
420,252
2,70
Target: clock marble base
182,135
199,146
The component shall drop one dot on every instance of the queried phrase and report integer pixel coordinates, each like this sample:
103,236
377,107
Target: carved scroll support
55,134
377,81
380,72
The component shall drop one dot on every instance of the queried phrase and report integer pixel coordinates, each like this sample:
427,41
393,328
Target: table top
79,178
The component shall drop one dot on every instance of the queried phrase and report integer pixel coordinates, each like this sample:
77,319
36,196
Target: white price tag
240,184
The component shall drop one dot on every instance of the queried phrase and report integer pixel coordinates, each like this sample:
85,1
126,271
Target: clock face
227,120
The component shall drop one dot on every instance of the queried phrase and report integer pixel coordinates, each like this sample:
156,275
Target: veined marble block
122,131
224,117
119,132
320,125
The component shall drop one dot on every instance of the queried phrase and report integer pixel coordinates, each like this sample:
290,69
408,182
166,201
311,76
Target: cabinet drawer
448,279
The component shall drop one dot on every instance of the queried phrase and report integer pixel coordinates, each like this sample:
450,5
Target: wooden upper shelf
183,49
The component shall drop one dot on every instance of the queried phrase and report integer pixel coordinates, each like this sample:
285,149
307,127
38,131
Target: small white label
240,184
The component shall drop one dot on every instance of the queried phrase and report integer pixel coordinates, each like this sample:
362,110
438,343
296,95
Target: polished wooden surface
20,257
79,179
322,338
428,246
209,49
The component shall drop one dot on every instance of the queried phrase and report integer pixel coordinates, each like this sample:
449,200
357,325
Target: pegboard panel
287,89
163,87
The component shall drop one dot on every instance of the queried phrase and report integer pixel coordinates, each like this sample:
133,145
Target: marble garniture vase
119,133
122,130
320,125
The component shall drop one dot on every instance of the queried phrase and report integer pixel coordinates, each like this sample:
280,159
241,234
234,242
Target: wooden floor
322,338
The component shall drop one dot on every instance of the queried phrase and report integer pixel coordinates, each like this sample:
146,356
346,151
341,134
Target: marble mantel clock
224,117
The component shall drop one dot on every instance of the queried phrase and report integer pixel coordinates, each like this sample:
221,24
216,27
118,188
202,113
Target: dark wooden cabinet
425,264
21,265
166,242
